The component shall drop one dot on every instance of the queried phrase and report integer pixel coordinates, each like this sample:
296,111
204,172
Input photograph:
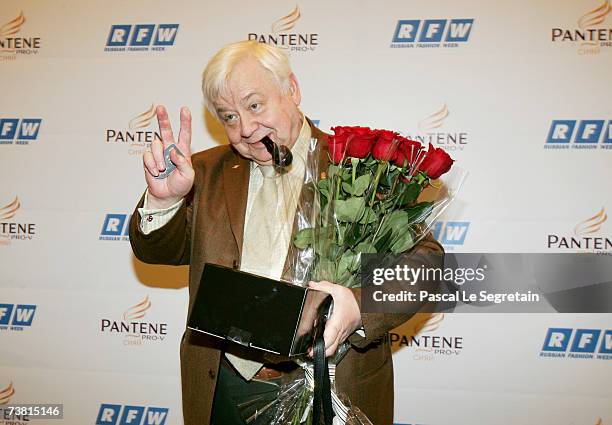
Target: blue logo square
118,35
24,314
126,230
8,128
166,33
156,416
142,35
132,415
29,128
557,339
561,131
459,30
606,342
432,30
113,224
406,31
436,230
585,340
6,312
589,131
455,232
608,133
108,414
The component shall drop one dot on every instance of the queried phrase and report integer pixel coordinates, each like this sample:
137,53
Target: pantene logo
433,129
282,35
11,230
593,32
587,236
133,328
423,340
11,45
139,133
6,394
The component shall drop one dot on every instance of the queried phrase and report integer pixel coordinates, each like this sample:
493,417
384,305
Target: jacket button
211,374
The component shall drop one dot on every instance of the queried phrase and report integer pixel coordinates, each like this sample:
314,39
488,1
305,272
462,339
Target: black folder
256,311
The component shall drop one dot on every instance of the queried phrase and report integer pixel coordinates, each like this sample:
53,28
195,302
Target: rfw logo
451,234
139,134
14,231
20,131
116,227
430,132
11,45
578,343
579,134
592,34
16,317
117,414
141,37
586,237
136,331
282,36
431,33
424,344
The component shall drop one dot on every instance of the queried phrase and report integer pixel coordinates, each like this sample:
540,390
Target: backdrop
517,91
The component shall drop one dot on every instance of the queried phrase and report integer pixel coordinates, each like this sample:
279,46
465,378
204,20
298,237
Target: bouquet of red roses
367,198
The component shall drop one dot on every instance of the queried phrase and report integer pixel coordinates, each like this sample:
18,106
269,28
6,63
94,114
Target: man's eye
230,117
255,106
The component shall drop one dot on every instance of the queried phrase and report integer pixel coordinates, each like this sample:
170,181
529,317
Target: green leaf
347,188
352,235
365,248
395,220
346,263
369,216
361,184
404,242
332,170
350,209
382,243
410,193
303,239
419,212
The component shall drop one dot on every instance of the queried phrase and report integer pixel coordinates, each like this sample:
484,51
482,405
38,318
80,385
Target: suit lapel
236,172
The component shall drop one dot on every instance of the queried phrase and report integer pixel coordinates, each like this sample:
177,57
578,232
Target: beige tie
266,240
269,226
266,232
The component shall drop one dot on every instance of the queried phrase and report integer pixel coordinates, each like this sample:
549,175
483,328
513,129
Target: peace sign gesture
166,192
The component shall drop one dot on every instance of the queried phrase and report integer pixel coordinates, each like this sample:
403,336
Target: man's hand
164,193
345,319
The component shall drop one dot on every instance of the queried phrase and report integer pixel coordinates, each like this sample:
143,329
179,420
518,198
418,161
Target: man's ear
294,90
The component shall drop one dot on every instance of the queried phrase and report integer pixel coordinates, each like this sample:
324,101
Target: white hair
219,68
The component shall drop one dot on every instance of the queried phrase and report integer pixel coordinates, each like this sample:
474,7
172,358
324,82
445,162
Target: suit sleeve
428,253
169,244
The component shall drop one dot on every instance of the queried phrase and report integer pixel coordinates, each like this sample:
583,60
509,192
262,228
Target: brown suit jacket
208,228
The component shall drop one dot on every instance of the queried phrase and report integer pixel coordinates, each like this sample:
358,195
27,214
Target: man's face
253,107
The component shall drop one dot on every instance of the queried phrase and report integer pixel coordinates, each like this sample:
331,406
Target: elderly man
210,210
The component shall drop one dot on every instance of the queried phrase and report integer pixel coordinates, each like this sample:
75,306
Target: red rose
337,143
337,147
341,132
408,151
360,142
385,148
436,162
